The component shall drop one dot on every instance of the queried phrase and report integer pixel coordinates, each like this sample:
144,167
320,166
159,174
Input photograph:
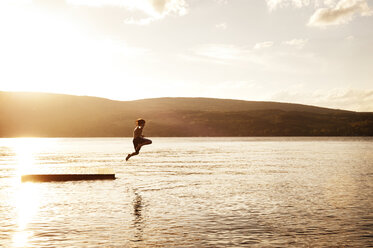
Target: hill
56,115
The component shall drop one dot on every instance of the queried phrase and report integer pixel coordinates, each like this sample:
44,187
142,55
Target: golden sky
316,52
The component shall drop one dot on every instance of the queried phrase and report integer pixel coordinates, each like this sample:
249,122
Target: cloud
222,25
342,13
328,12
274,59
220,53
273,4
348,99
350,38
141,22
221,1
224,54
297,43
154,9
15,2
262,45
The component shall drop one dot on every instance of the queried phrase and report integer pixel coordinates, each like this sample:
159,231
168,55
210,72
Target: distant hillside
55,115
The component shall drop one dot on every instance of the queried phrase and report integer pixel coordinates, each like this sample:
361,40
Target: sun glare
52,53
26,150
27,195
27,201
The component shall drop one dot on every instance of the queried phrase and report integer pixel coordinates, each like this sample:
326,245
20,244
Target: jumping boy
138,138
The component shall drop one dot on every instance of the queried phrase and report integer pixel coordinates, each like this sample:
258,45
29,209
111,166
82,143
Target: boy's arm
141,135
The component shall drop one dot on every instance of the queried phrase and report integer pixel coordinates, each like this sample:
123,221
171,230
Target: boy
138,138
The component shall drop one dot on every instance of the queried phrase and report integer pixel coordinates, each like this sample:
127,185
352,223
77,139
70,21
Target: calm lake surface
190,192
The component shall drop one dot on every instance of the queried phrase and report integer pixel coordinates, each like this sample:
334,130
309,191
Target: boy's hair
140,121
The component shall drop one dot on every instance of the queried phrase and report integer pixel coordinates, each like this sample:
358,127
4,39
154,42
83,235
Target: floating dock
69,174
65,177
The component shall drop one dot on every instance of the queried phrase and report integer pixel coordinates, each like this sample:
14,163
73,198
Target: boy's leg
135,145
128,156
143,143
132,154
138,147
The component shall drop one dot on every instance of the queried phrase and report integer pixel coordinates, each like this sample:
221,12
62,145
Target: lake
190,192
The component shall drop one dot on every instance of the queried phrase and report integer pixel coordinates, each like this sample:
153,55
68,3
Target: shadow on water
138,221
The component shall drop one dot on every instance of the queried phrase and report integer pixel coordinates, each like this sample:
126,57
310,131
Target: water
190,192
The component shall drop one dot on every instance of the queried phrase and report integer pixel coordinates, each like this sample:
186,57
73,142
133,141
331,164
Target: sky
314,52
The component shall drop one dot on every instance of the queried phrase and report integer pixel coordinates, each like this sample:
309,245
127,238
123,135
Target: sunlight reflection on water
26,196
190,192
27,201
